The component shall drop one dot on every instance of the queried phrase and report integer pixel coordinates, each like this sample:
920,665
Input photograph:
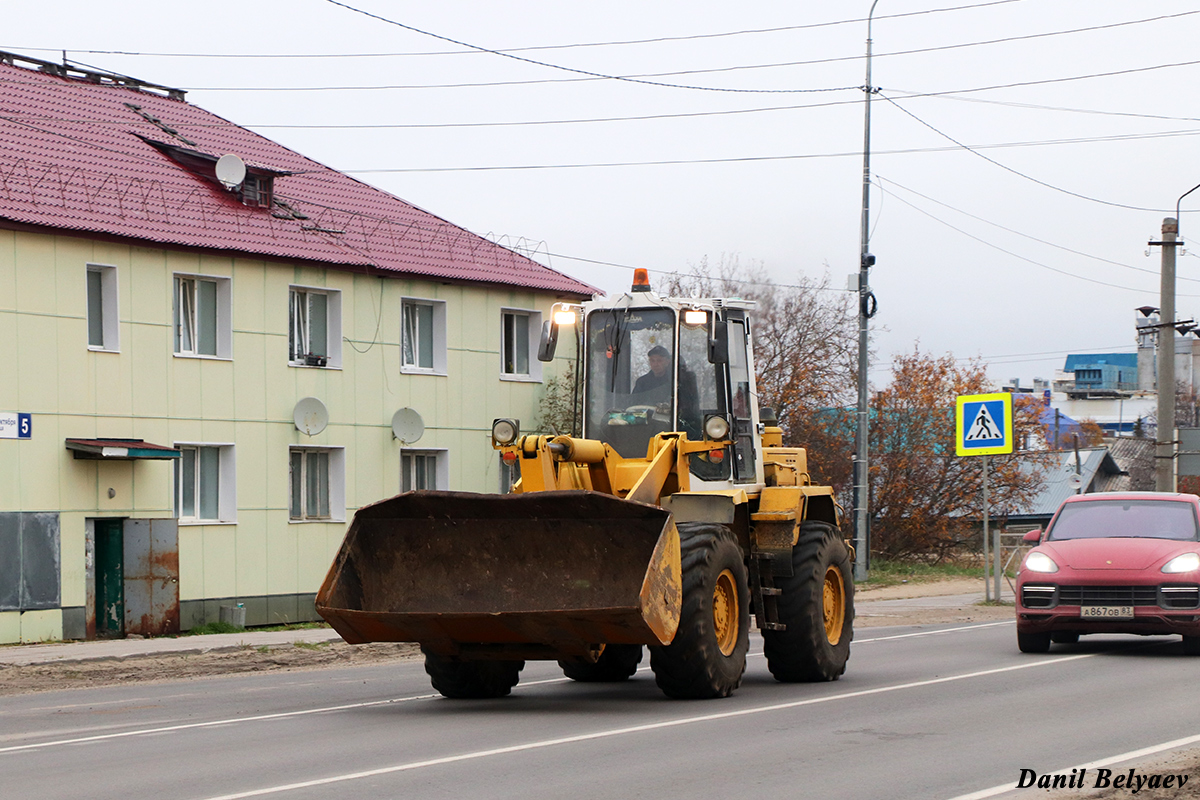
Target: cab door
742,402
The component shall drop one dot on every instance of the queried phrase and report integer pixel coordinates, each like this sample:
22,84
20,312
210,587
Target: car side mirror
1032,537
549,341
718,345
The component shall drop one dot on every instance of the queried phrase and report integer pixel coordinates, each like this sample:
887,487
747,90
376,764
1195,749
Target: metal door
151,576
110,579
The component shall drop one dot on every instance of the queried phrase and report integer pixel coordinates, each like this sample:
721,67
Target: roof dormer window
256,190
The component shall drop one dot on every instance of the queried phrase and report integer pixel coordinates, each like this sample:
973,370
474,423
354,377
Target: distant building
204,355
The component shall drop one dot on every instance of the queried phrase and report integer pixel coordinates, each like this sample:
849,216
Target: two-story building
216,350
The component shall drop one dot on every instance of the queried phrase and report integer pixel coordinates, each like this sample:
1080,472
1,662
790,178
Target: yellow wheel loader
674,516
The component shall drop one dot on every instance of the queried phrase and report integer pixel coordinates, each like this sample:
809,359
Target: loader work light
505,431
716,427
695,316
564,317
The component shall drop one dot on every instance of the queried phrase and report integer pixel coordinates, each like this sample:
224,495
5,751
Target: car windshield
1143,519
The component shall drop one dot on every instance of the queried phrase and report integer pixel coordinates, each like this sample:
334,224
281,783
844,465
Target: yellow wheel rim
725,612
834,605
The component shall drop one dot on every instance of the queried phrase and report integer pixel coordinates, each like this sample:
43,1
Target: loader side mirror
549,341
718,345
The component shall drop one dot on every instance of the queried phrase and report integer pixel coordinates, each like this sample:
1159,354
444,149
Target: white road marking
585,737
1104,762
935,633
284,715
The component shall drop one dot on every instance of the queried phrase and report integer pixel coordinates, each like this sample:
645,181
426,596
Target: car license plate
1107,612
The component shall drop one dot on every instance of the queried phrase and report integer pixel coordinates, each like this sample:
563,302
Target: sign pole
987,591
996,565
983,427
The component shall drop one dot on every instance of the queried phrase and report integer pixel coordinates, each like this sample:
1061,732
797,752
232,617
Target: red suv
1121,562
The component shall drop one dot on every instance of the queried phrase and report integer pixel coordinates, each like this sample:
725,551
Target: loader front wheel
616,663
708,654
471,680
817,606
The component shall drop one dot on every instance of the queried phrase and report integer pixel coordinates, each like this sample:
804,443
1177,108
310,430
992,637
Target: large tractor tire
817,606
472,680
617,663
708,654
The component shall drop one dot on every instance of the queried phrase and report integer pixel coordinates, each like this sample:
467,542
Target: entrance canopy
119,449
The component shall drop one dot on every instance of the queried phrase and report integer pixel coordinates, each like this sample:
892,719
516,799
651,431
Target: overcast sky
1024,151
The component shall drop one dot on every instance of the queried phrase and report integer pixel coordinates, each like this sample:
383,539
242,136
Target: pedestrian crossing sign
983,424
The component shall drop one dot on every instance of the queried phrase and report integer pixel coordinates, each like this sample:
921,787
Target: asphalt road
927,713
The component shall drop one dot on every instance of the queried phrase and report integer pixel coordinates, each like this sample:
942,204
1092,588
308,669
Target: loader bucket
538,575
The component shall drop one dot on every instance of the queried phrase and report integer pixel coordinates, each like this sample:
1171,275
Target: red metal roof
74,157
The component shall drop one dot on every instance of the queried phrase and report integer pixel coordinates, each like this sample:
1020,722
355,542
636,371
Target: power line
678,272
1007,168
1027,236
1017,255
748,159
1040,107
574,70
655,40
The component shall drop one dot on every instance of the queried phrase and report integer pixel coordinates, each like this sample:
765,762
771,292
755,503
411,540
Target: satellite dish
407,425
231,171
310,416
1075,479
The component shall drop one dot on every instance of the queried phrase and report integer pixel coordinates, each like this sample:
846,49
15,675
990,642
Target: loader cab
653,365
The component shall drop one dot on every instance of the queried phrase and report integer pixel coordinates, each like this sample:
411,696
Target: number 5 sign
16,426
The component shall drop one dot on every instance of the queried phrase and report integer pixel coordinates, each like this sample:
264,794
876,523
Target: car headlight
1040,562
505,431
1188,562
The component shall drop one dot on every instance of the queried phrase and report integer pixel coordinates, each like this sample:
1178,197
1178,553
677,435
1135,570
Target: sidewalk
24,655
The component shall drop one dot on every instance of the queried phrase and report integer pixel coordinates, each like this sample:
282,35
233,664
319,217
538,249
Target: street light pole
1164,451
866,300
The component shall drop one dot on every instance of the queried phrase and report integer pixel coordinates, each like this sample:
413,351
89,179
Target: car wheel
1191,645
1064,637
1033,642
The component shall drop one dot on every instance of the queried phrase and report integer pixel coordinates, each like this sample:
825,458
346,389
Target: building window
423,336
315,327
423,469
519,331
204,483
317,483
202,316
257,190
102,307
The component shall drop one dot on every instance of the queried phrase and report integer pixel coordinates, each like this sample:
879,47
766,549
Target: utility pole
866,310
1164,451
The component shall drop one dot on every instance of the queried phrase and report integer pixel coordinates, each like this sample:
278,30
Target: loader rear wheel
817,606
471,680
708,655
616,663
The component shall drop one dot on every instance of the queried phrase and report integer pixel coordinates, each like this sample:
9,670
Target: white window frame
441,467
336,487
226,485
185,289
438,335
109,320
533,321
298,325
